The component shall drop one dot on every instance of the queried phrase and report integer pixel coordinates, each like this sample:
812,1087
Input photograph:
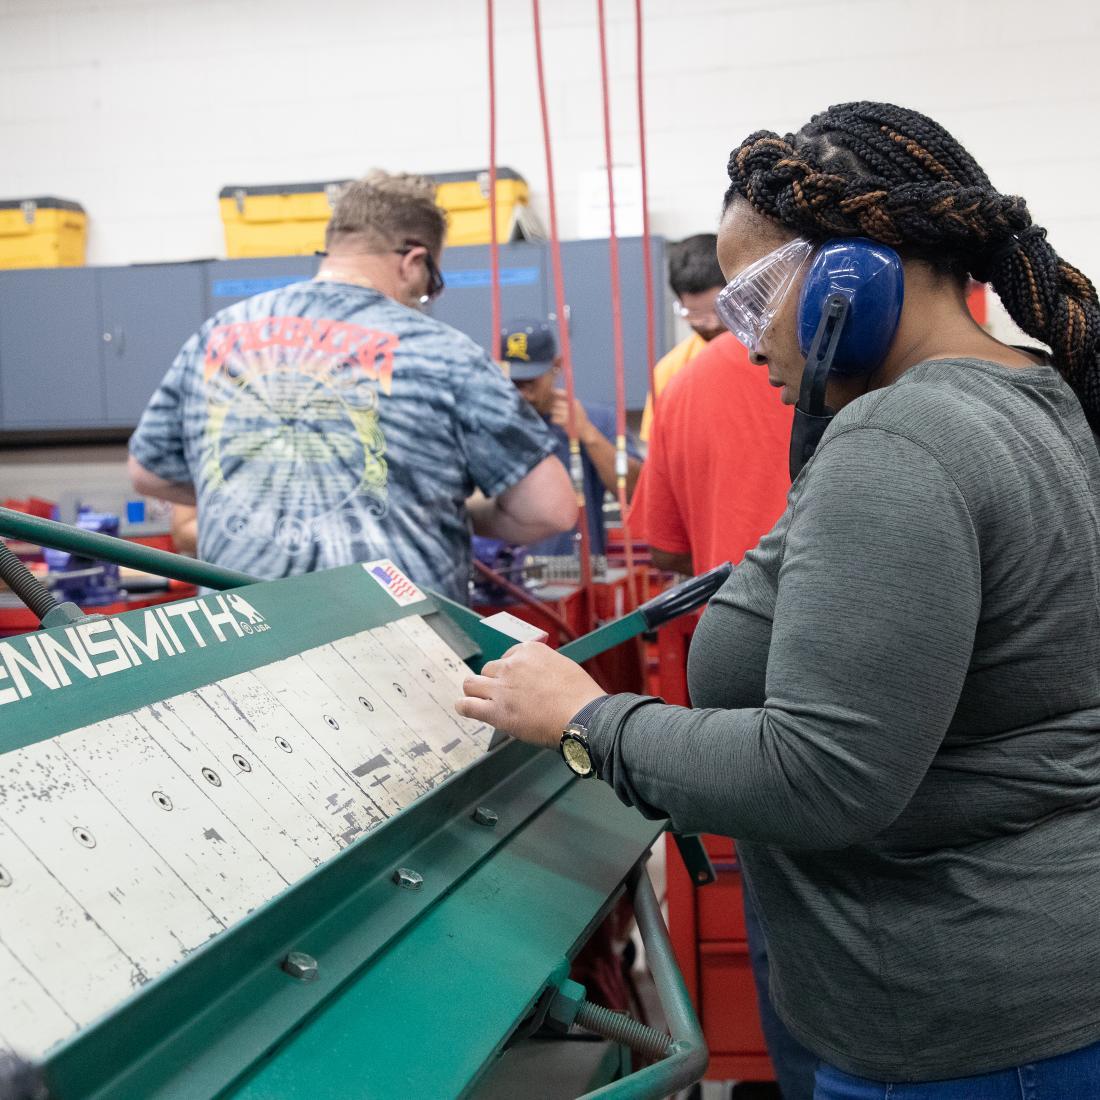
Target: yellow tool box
289,219
465,197
42,232
278,219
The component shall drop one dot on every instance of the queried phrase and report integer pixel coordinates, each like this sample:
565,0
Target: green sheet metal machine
248,850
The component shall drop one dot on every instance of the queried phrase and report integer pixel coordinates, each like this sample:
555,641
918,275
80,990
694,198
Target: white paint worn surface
127,844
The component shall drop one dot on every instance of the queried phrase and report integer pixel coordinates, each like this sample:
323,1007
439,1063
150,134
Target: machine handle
676,601
91,544
684,597
688,1055
696,859
117,337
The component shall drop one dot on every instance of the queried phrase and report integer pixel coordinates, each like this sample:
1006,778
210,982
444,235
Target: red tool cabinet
707,928
707,924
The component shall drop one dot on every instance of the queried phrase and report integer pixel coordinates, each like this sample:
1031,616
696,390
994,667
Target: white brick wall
143,109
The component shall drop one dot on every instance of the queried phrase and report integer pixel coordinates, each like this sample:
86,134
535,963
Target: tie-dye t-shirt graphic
324,423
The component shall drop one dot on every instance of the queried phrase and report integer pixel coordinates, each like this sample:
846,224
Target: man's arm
157,443
670,562
184,528
598,447
539,505
149,485
602,453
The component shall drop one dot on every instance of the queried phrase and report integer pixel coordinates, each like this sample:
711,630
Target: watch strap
586,713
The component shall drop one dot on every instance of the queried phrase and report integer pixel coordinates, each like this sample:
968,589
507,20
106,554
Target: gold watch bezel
576,737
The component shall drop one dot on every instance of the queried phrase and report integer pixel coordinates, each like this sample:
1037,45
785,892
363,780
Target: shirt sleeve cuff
605,728
158,463
584,715
519,471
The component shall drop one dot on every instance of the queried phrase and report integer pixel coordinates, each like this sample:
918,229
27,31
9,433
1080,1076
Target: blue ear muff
869,275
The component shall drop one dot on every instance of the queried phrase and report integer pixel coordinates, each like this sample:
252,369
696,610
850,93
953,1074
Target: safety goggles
435,276
698,315
750,301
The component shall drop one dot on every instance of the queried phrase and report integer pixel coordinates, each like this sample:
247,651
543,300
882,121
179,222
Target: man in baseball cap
532,362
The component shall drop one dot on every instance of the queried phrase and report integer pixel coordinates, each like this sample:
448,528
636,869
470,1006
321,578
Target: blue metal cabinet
466,303
587,275
51,365
86,347
229,281
147,314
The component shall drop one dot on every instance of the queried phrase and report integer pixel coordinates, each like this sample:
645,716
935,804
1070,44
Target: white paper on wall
592,207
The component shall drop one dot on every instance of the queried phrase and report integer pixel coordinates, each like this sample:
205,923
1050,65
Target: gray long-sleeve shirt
899,720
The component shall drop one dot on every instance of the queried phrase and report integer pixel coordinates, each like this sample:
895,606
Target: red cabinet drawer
721,913
727,999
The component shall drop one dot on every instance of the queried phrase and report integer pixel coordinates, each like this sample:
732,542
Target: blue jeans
1073,1076
794,1065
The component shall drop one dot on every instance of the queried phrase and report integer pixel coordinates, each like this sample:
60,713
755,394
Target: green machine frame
434,943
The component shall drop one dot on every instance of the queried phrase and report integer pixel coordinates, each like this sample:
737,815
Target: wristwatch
574,747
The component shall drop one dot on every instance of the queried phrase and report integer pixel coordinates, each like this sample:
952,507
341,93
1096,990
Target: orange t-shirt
716,476
666,369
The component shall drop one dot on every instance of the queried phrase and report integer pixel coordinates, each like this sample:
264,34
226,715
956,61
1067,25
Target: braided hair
885,172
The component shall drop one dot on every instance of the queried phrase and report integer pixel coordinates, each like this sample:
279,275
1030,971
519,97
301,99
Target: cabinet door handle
117,337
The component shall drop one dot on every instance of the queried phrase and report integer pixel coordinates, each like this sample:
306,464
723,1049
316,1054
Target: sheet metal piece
128,843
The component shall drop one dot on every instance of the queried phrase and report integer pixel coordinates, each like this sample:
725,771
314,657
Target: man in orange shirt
716,475
696,279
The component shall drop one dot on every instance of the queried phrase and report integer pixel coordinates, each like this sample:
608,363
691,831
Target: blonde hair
386,209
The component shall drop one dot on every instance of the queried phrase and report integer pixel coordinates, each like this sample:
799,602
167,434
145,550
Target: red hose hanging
621,456
494,243
647,258
576,467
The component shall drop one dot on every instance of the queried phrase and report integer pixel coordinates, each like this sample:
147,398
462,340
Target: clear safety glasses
693,315
751,299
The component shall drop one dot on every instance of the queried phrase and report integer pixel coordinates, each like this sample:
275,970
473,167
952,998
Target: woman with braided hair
883,172
897,692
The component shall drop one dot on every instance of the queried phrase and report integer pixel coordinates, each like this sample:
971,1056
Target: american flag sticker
396,584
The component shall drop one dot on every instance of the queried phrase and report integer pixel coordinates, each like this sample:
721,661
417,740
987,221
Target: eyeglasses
435,276
695,314
751,300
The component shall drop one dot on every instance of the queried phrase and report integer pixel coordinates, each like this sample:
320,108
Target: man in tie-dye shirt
332,421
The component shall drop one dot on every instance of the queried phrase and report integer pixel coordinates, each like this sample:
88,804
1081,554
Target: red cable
622,460
563,330
494,243
647,259
647,255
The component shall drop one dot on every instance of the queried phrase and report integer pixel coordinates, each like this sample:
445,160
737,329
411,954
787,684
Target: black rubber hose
685,597
25,584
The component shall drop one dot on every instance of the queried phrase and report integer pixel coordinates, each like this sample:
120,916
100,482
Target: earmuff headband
811,415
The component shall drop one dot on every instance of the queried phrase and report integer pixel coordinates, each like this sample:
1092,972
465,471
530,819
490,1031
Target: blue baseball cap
529,348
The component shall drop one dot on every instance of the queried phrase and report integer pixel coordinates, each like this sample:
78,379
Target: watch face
576,756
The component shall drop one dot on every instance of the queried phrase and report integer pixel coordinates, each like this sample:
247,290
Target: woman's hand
532,692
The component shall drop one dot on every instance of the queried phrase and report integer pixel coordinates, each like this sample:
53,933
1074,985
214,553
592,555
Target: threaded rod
624,1029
